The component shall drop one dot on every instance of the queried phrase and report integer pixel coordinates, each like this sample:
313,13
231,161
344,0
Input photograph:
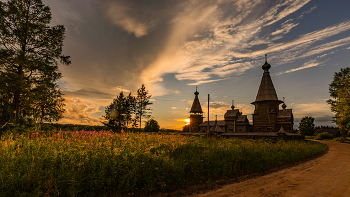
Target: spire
216,127
266,66
196,106
232,106
266,90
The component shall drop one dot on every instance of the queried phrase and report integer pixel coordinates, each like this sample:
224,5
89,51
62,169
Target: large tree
115,113
306,126
339,90
29,53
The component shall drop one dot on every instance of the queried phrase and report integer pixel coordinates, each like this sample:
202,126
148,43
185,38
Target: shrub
324,136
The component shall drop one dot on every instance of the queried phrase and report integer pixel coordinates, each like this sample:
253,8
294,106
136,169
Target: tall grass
86,163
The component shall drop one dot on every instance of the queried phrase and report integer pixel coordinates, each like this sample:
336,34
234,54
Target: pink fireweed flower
58,134
123,135
122,131
37,133
32,135
17,133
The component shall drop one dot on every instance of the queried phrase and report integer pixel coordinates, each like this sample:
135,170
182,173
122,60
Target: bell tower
196,114
266,104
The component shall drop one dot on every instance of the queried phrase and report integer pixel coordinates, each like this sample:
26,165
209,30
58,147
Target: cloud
207,42
177,92
312,109
309,64
285,28
121,15
120,89
79,111
173,107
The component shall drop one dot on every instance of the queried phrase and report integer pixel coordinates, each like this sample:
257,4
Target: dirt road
328,175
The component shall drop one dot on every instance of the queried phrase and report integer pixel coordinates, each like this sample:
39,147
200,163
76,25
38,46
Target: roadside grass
88,163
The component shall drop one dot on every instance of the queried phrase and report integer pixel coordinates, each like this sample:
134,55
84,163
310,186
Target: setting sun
188,121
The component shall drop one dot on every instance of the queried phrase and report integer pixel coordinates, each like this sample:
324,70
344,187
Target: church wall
265,116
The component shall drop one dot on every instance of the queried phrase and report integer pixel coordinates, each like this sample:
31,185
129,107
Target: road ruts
328,175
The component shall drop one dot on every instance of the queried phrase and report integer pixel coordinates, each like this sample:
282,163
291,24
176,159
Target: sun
188,121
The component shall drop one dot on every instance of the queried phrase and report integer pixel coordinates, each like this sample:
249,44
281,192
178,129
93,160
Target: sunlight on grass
86,163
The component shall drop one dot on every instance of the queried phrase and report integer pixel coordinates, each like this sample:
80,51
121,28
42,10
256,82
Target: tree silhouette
142,102
29,51
339,89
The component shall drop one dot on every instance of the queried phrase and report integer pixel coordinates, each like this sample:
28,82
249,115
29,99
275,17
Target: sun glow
188,121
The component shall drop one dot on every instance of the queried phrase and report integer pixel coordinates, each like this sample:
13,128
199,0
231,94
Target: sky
217,46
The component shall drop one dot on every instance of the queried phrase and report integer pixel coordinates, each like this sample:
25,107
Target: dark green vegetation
339,90
29,52
306,126
127,111
86,163
323,136
151,126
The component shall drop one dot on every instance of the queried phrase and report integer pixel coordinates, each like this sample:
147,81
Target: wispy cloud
121,16
206,44
309,64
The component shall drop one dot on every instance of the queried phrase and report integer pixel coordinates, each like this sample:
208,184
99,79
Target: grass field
88,163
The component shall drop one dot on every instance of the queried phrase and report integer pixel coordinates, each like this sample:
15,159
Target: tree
29,54
306,126
130,104
142,102
48,103
115,113
151,126
339,89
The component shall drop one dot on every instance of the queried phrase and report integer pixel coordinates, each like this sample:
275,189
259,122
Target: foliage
87,163
306,126
151,126
323,136
115,113
125,111
29,51
142,102
339,90
342,139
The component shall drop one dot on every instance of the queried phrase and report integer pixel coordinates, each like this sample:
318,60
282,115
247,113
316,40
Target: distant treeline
79,127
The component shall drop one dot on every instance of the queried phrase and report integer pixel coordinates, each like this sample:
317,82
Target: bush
324,136
151,126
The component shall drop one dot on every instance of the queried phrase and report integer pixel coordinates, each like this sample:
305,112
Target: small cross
265,57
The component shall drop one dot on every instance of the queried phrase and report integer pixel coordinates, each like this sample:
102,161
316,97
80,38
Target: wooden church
267,116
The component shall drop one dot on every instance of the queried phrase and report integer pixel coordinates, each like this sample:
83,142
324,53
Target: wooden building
196,115
267,116
233,122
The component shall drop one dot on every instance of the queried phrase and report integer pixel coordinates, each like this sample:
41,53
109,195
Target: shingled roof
266,90
196,106
285,113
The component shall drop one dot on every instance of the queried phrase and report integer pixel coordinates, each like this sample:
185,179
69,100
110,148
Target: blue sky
218,46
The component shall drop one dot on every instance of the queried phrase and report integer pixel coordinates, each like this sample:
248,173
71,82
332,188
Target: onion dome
284,106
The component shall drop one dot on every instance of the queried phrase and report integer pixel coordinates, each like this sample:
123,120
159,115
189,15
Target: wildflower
122,131
123,135
37,133
17,134
31,135
58,134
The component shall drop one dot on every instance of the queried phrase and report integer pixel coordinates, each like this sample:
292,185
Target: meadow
89,163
